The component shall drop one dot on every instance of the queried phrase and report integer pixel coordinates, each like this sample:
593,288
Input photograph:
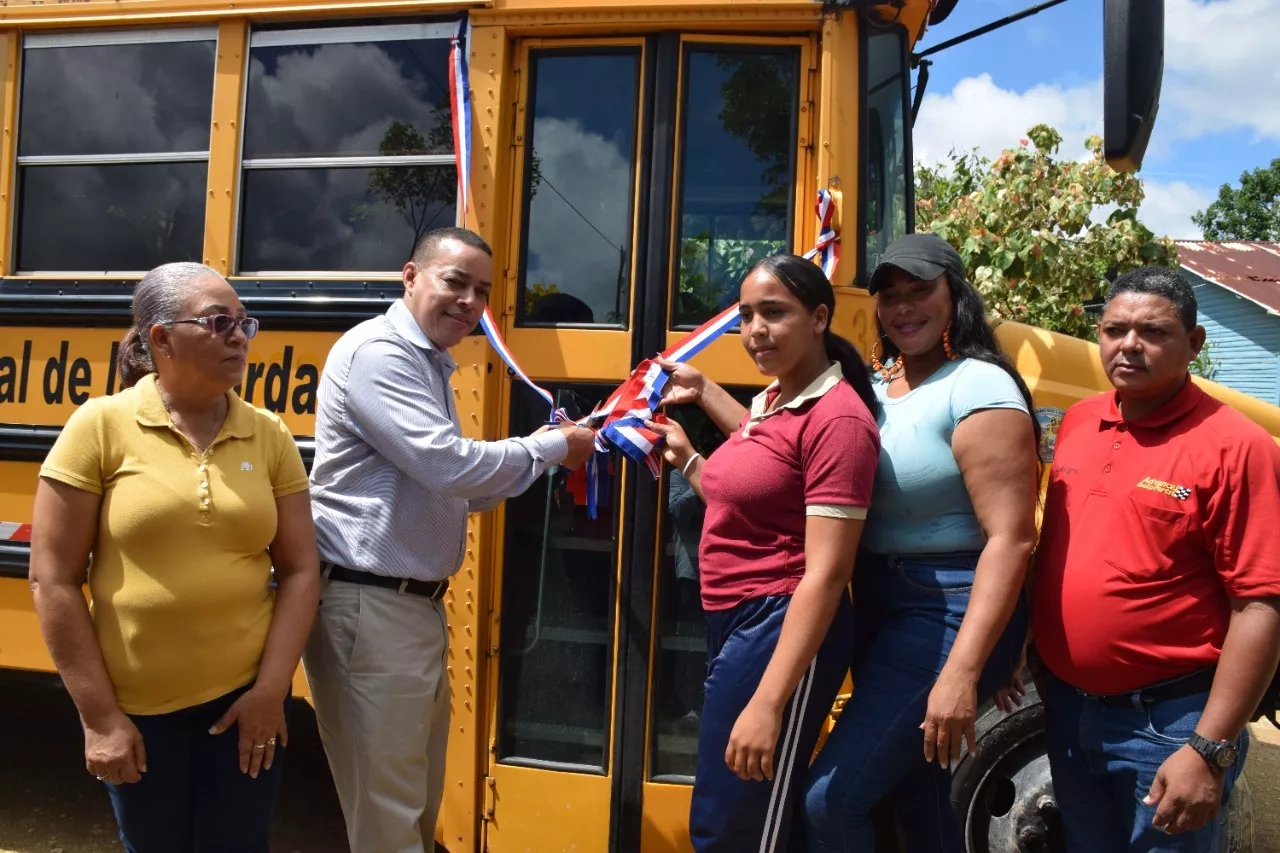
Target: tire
1003,796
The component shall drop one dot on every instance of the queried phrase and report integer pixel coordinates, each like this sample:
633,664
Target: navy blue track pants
729,815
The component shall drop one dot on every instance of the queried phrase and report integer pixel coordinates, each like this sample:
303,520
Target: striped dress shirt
393,478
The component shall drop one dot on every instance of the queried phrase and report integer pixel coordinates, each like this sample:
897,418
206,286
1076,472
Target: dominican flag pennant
460,107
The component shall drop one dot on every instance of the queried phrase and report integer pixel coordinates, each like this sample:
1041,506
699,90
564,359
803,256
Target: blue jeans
1104,759
907,612
193,797
727,814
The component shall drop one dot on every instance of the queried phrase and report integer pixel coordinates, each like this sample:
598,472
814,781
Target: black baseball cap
921,256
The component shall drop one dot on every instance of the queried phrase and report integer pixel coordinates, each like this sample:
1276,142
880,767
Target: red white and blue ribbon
619,422
490,328
460,104
639,398
827,249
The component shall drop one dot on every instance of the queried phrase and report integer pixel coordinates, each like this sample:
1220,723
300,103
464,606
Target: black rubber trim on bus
653,218
285,305
26,443
15,557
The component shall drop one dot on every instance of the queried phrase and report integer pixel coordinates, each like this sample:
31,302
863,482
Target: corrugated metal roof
1248,268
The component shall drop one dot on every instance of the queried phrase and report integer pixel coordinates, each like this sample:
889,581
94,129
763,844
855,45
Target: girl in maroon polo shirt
786,496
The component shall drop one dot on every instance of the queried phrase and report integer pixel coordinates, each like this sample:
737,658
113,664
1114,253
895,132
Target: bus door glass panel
680,653
885,210
579,186
558,585
737,171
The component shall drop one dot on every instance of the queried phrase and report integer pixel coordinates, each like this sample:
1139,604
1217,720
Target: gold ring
271,741
259,746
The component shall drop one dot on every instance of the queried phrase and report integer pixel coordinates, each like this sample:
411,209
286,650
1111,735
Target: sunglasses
224,324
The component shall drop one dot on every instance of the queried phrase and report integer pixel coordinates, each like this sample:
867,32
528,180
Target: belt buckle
404,584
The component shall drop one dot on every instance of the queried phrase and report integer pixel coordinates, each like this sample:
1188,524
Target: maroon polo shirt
816,455
1149,526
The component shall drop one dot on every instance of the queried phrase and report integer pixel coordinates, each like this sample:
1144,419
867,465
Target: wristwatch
1219,754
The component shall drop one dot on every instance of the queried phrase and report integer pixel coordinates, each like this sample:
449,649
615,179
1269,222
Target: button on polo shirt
179,580
1149,526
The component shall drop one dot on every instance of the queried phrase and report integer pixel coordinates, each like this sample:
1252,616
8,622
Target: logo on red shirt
1179,492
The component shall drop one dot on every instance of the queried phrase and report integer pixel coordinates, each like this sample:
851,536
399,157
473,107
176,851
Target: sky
1219,105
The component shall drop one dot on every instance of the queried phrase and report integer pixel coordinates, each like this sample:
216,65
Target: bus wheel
1004,797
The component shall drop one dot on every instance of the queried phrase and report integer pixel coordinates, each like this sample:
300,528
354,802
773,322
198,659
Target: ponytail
157,299
855,371
133,361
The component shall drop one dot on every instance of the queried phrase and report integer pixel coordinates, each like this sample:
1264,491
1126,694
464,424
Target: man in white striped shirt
391,487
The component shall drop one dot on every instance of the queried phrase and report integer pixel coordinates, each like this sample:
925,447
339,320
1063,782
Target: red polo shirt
816,455
1148,527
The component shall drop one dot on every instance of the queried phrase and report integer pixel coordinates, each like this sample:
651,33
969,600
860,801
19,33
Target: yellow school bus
630,158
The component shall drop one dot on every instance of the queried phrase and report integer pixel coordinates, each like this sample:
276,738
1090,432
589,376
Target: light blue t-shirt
920,504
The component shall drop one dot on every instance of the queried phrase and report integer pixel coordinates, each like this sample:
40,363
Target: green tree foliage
755,94
418,193
1030,229
1206,366
1249,213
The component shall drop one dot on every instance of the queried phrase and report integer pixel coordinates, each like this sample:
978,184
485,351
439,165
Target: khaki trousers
375,663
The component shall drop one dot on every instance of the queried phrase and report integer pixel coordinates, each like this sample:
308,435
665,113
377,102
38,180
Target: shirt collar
402,320
1187,398
815,389
150,411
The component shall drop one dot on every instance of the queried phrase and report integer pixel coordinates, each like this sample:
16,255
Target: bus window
737,171
113,147
348,147
680,653
887,188
558,587
579,186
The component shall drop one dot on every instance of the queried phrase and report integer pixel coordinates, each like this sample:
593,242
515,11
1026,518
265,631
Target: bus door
651,173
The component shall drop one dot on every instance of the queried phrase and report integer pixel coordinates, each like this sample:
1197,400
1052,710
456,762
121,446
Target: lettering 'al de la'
277,386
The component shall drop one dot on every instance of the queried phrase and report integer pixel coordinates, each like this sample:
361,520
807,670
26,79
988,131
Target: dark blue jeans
1104,759
193,797
728,815
907,612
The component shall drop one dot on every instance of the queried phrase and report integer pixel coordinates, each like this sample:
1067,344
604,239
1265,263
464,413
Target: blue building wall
1246,340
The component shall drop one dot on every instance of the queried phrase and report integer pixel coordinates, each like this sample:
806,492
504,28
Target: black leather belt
427,589
1175,688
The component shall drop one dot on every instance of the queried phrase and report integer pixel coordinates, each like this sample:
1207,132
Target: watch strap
1209,749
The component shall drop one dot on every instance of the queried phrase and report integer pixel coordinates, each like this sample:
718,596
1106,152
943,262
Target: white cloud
578,221
1168,207
1220,69
979,114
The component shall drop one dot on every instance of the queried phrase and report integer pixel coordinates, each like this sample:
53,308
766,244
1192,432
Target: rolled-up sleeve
407,421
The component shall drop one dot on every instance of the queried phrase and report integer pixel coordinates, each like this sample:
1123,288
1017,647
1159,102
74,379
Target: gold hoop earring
946,343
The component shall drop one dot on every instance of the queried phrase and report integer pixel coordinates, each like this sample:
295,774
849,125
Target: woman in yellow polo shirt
186,497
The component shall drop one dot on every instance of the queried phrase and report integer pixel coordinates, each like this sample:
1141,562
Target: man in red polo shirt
1154,606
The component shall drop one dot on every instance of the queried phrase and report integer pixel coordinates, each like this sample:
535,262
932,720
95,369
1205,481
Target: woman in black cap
940,616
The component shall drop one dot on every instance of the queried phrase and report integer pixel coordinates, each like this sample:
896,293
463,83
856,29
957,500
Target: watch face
1227,755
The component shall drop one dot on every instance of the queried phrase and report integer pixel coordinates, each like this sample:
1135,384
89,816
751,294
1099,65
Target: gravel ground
48,804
